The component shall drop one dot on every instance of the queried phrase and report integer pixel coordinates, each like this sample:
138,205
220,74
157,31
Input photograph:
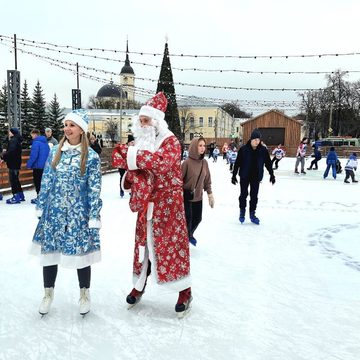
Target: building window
192,122
191,136
201,121
182,122
210,121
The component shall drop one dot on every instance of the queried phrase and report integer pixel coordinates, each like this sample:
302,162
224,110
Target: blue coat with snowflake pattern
68,230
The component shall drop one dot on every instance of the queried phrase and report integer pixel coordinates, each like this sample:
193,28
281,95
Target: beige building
211,122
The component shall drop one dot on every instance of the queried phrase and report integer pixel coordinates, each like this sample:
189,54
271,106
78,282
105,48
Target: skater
216,153
232,157
155,179
300,155
12,157
249,165
331,160
196,179
224,151
130,142
38,155
350,166
317,157
278,153
94,144
69,210
185,153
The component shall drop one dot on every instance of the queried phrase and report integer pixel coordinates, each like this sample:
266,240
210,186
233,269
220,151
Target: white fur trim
139,281
131,158
38,213
151,112
141,253
67,261
94,223
77,119
150,209
122,184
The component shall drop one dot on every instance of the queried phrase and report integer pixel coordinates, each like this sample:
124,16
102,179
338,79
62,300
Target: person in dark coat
249,165
12,157
38,155
94,144
317,157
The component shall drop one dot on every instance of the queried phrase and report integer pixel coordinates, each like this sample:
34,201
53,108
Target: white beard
145,138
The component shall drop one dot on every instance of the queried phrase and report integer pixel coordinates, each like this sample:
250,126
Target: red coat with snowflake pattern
170,238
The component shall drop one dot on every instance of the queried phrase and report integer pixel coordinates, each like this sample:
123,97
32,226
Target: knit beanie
255,134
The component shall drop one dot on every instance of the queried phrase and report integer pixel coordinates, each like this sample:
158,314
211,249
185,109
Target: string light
175,83
78,48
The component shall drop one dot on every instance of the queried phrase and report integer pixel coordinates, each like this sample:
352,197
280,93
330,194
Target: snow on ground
287,289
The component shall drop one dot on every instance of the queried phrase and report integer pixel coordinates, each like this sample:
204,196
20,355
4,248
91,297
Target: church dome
110,90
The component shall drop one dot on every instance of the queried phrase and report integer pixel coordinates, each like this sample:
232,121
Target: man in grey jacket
50,139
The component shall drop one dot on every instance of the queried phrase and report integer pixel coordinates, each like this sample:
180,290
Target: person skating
300,155
38,155
68,209
350,166
12,157
155,179
249,165
331,160
278,153
317,157
196,179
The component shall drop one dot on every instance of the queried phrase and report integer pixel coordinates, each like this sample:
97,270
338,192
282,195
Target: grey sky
193,27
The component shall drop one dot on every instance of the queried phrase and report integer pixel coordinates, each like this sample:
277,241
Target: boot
21,196
242,215
84,301
183,303
253,218
355,181
122,193
14,200
1,196
303,171
192,240
46,301
296,171
34,201
347,181
135,295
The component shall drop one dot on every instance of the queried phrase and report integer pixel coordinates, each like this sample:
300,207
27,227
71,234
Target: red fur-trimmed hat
155,107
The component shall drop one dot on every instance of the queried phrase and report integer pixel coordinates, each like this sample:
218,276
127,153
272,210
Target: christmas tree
166,84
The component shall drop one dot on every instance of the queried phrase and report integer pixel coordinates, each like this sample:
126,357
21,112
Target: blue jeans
326,173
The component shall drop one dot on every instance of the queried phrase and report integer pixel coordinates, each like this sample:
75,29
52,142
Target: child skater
350,166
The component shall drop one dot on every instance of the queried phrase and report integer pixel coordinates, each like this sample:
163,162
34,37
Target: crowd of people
166,184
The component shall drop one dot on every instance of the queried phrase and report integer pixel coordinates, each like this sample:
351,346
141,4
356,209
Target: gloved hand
272,179
211,200
234,180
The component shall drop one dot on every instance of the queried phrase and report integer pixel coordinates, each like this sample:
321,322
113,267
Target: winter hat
47,129
79,117
14,131
255,134
130,138
155,107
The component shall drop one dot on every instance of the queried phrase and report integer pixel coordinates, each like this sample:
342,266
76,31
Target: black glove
272,179
234,180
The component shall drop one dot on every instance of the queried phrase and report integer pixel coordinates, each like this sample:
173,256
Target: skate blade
84,314
182,314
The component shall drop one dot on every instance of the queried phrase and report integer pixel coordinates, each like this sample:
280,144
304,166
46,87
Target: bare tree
187,122
111,129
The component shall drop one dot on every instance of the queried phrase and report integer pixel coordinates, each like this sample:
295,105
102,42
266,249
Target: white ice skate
46,301
84,301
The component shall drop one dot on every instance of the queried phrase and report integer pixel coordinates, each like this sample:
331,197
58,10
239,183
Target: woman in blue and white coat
69,210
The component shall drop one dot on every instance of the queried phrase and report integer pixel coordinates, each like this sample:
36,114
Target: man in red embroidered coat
154,175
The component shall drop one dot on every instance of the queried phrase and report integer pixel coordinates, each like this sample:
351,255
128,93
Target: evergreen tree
56,117
4,127
40,119
166,84
26,116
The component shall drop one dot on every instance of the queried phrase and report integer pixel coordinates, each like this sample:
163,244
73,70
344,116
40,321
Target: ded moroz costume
155,179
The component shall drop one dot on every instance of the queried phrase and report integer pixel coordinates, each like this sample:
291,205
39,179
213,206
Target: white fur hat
79,117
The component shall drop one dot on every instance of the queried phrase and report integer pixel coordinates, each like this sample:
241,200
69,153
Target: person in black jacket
94,144
12,157
249,165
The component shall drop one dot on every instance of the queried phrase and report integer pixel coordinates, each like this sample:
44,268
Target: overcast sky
197,27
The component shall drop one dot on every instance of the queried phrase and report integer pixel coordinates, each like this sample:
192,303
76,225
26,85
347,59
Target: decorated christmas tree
166,84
